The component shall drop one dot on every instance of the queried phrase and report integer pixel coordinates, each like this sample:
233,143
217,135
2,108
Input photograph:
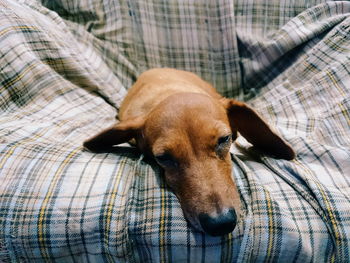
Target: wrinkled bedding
65,68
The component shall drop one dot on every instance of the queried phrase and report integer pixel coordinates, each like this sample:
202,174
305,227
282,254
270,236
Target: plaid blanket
66,66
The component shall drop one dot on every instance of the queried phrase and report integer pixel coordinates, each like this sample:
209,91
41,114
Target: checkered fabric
65,68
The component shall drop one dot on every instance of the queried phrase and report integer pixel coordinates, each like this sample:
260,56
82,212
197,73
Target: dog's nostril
220,224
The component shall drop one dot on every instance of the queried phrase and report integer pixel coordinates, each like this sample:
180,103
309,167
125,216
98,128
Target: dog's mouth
214,224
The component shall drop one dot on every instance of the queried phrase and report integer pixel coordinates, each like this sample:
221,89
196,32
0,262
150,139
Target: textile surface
65,68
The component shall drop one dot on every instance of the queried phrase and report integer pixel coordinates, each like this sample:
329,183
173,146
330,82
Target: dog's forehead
179,140
196,134
186,119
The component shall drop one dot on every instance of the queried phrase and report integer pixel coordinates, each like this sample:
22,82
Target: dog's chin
194,222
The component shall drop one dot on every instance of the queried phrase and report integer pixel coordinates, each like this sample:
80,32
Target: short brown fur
179,119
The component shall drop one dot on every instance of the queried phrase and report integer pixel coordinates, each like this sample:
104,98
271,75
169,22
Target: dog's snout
218,225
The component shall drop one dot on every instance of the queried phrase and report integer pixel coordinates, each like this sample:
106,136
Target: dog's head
190,135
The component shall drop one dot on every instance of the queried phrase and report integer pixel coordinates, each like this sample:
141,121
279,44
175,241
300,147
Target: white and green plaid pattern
66,66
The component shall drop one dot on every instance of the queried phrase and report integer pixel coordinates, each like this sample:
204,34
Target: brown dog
181,121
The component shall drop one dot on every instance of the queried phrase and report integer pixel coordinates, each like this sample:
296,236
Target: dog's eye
166,160
224,140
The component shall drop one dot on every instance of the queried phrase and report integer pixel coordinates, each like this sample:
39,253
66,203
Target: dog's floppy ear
252,127
122,132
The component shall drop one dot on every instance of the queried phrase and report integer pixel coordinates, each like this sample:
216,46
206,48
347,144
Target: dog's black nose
219,225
